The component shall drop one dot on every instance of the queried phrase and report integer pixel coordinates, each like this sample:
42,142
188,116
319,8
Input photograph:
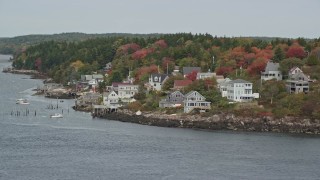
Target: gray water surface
79,147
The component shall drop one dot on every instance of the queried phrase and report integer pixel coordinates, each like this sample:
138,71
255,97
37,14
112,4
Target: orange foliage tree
257,66
145,71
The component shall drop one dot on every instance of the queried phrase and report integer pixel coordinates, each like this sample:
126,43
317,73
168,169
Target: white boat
22,101
56,115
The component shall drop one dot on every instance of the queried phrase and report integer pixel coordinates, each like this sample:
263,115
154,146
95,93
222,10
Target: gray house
194,100
188,70
174,99
298,83
271,72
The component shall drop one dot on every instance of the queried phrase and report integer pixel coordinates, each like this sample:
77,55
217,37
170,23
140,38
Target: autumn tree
225,71
192,76
257,66
295,50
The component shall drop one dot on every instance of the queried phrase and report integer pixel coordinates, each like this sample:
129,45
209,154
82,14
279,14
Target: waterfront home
240,90
156,81
127,91
180,84
298,82
271,72
111,100
194,100
174,99
188,70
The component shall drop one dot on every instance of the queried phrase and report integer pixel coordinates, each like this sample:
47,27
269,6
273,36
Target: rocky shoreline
33,73
220,122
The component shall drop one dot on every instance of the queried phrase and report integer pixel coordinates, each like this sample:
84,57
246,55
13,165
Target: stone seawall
220,122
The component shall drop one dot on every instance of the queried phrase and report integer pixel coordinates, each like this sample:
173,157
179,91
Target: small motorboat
56,115
22,101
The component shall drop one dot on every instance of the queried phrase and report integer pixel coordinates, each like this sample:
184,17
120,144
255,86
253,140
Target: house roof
116,84
238,81
158,77
299,76
293,69
105,94
176,92
191,92
182,83
188,70
272,66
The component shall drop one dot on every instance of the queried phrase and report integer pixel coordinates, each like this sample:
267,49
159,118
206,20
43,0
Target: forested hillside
233,57
11,45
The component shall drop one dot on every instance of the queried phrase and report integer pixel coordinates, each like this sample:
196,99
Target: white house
156,81
127,91
240,91
271,72
194,100
111,100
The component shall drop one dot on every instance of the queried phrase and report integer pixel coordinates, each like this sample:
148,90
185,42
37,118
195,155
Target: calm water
78,147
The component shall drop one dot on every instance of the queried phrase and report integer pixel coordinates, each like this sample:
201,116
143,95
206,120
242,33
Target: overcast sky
272,18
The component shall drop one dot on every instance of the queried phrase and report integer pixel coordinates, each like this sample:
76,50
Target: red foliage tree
142,53
128,48
295,50
192,76
161,44
224,70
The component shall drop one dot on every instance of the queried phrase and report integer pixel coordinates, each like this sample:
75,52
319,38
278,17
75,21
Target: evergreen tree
278,55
